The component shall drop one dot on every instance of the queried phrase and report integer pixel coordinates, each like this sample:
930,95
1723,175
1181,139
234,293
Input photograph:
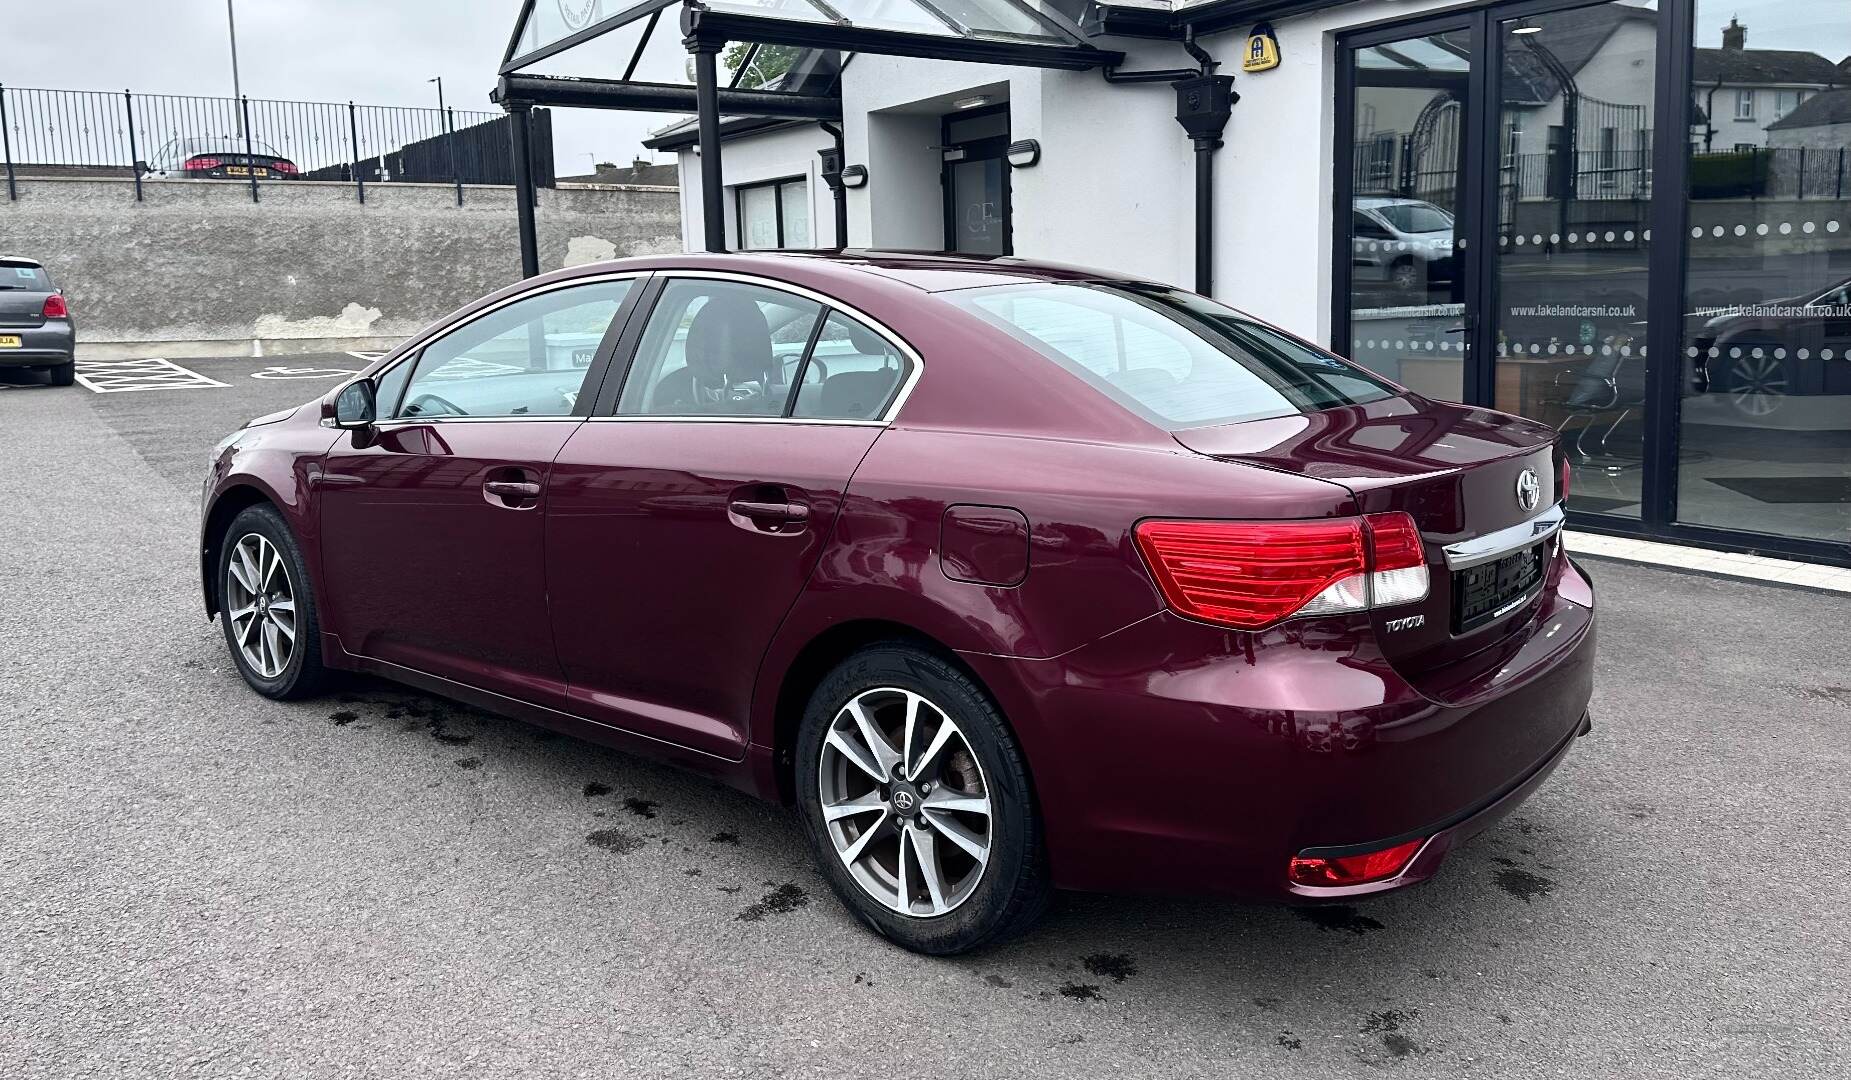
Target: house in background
1741,91
1822,122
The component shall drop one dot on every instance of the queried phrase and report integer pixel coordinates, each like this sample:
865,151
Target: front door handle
770,511
512,489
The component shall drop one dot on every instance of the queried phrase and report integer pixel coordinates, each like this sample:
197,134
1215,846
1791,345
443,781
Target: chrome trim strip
410,351
1493,546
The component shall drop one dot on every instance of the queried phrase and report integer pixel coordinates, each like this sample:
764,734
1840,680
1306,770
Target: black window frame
777,192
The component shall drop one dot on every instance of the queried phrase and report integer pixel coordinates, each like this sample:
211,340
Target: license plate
10,341
1491,591
242,170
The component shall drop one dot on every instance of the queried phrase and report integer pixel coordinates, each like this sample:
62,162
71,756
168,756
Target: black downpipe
1204,103
832,176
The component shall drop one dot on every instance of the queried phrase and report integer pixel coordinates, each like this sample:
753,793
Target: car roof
20,260
224,144
928,271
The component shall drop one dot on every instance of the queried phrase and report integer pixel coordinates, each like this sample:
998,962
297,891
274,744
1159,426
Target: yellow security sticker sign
1262,49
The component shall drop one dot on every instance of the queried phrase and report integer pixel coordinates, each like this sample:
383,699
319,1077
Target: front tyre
266,607
916,802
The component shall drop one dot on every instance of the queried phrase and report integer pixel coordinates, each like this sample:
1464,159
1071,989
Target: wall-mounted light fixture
1023,153
975,101
854,176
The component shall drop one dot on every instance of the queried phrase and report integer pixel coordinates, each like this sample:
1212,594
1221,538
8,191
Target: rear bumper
40,346
1175,757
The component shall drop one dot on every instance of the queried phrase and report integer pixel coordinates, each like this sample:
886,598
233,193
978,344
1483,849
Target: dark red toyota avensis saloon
1011,577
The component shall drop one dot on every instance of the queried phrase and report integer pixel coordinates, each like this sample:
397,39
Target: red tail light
56,307
202,164
1252,574
1353,869
284,168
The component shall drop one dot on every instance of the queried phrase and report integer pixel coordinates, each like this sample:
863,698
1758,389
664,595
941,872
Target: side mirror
355,406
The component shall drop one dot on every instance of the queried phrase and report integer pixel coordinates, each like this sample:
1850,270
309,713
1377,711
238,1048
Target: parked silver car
1406,244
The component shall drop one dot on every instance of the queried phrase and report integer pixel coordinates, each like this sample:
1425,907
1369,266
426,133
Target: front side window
718,348
529,358
1174,358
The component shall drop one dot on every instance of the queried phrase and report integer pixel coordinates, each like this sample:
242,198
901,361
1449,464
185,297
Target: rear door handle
770,511
512,489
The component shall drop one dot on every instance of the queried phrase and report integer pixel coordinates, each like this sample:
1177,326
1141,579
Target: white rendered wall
1115,186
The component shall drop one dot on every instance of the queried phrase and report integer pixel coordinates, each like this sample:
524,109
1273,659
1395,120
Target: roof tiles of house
1830,107
1762,67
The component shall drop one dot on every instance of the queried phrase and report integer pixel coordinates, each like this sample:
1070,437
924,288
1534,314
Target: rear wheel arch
820,656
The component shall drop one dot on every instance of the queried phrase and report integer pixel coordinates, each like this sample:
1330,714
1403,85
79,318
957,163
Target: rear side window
1174,358
852,373
30,278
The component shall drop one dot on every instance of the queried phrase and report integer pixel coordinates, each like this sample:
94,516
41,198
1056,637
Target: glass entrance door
1572,215
976,180
1401,223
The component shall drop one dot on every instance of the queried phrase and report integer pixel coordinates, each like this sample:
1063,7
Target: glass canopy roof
1027,32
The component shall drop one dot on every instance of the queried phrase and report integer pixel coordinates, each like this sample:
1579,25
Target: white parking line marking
127,376
369,357
302,373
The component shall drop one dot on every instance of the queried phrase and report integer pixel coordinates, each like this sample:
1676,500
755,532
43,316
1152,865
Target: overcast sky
377,52
381,52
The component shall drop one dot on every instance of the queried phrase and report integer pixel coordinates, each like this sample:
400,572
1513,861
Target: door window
718,348
1405,302
852,373
529,358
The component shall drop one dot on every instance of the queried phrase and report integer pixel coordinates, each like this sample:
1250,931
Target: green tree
770,62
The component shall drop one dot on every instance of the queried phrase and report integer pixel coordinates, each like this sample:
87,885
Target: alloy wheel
261,605
1758,384
904,802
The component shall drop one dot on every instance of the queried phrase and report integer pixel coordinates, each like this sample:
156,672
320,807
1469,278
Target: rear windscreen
24,277
1172,357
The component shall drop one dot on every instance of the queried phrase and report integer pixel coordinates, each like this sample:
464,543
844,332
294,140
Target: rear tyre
266,607
63,374
917,805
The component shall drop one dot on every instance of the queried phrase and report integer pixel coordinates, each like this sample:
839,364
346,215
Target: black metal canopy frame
1014,32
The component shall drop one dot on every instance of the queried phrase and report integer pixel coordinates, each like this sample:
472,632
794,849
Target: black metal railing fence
152,136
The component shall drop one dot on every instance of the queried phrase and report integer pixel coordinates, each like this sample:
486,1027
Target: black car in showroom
35,321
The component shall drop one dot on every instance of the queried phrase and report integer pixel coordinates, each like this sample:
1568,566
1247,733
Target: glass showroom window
1765,379
774,215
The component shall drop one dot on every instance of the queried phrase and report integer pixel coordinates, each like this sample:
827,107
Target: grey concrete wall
197,269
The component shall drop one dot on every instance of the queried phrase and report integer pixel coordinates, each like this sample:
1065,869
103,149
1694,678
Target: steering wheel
418,406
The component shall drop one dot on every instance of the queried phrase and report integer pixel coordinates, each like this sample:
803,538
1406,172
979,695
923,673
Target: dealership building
1628,219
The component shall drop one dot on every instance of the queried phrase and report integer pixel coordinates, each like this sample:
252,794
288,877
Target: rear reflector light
1353,869
284,168
56,308
1252,574
202,163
